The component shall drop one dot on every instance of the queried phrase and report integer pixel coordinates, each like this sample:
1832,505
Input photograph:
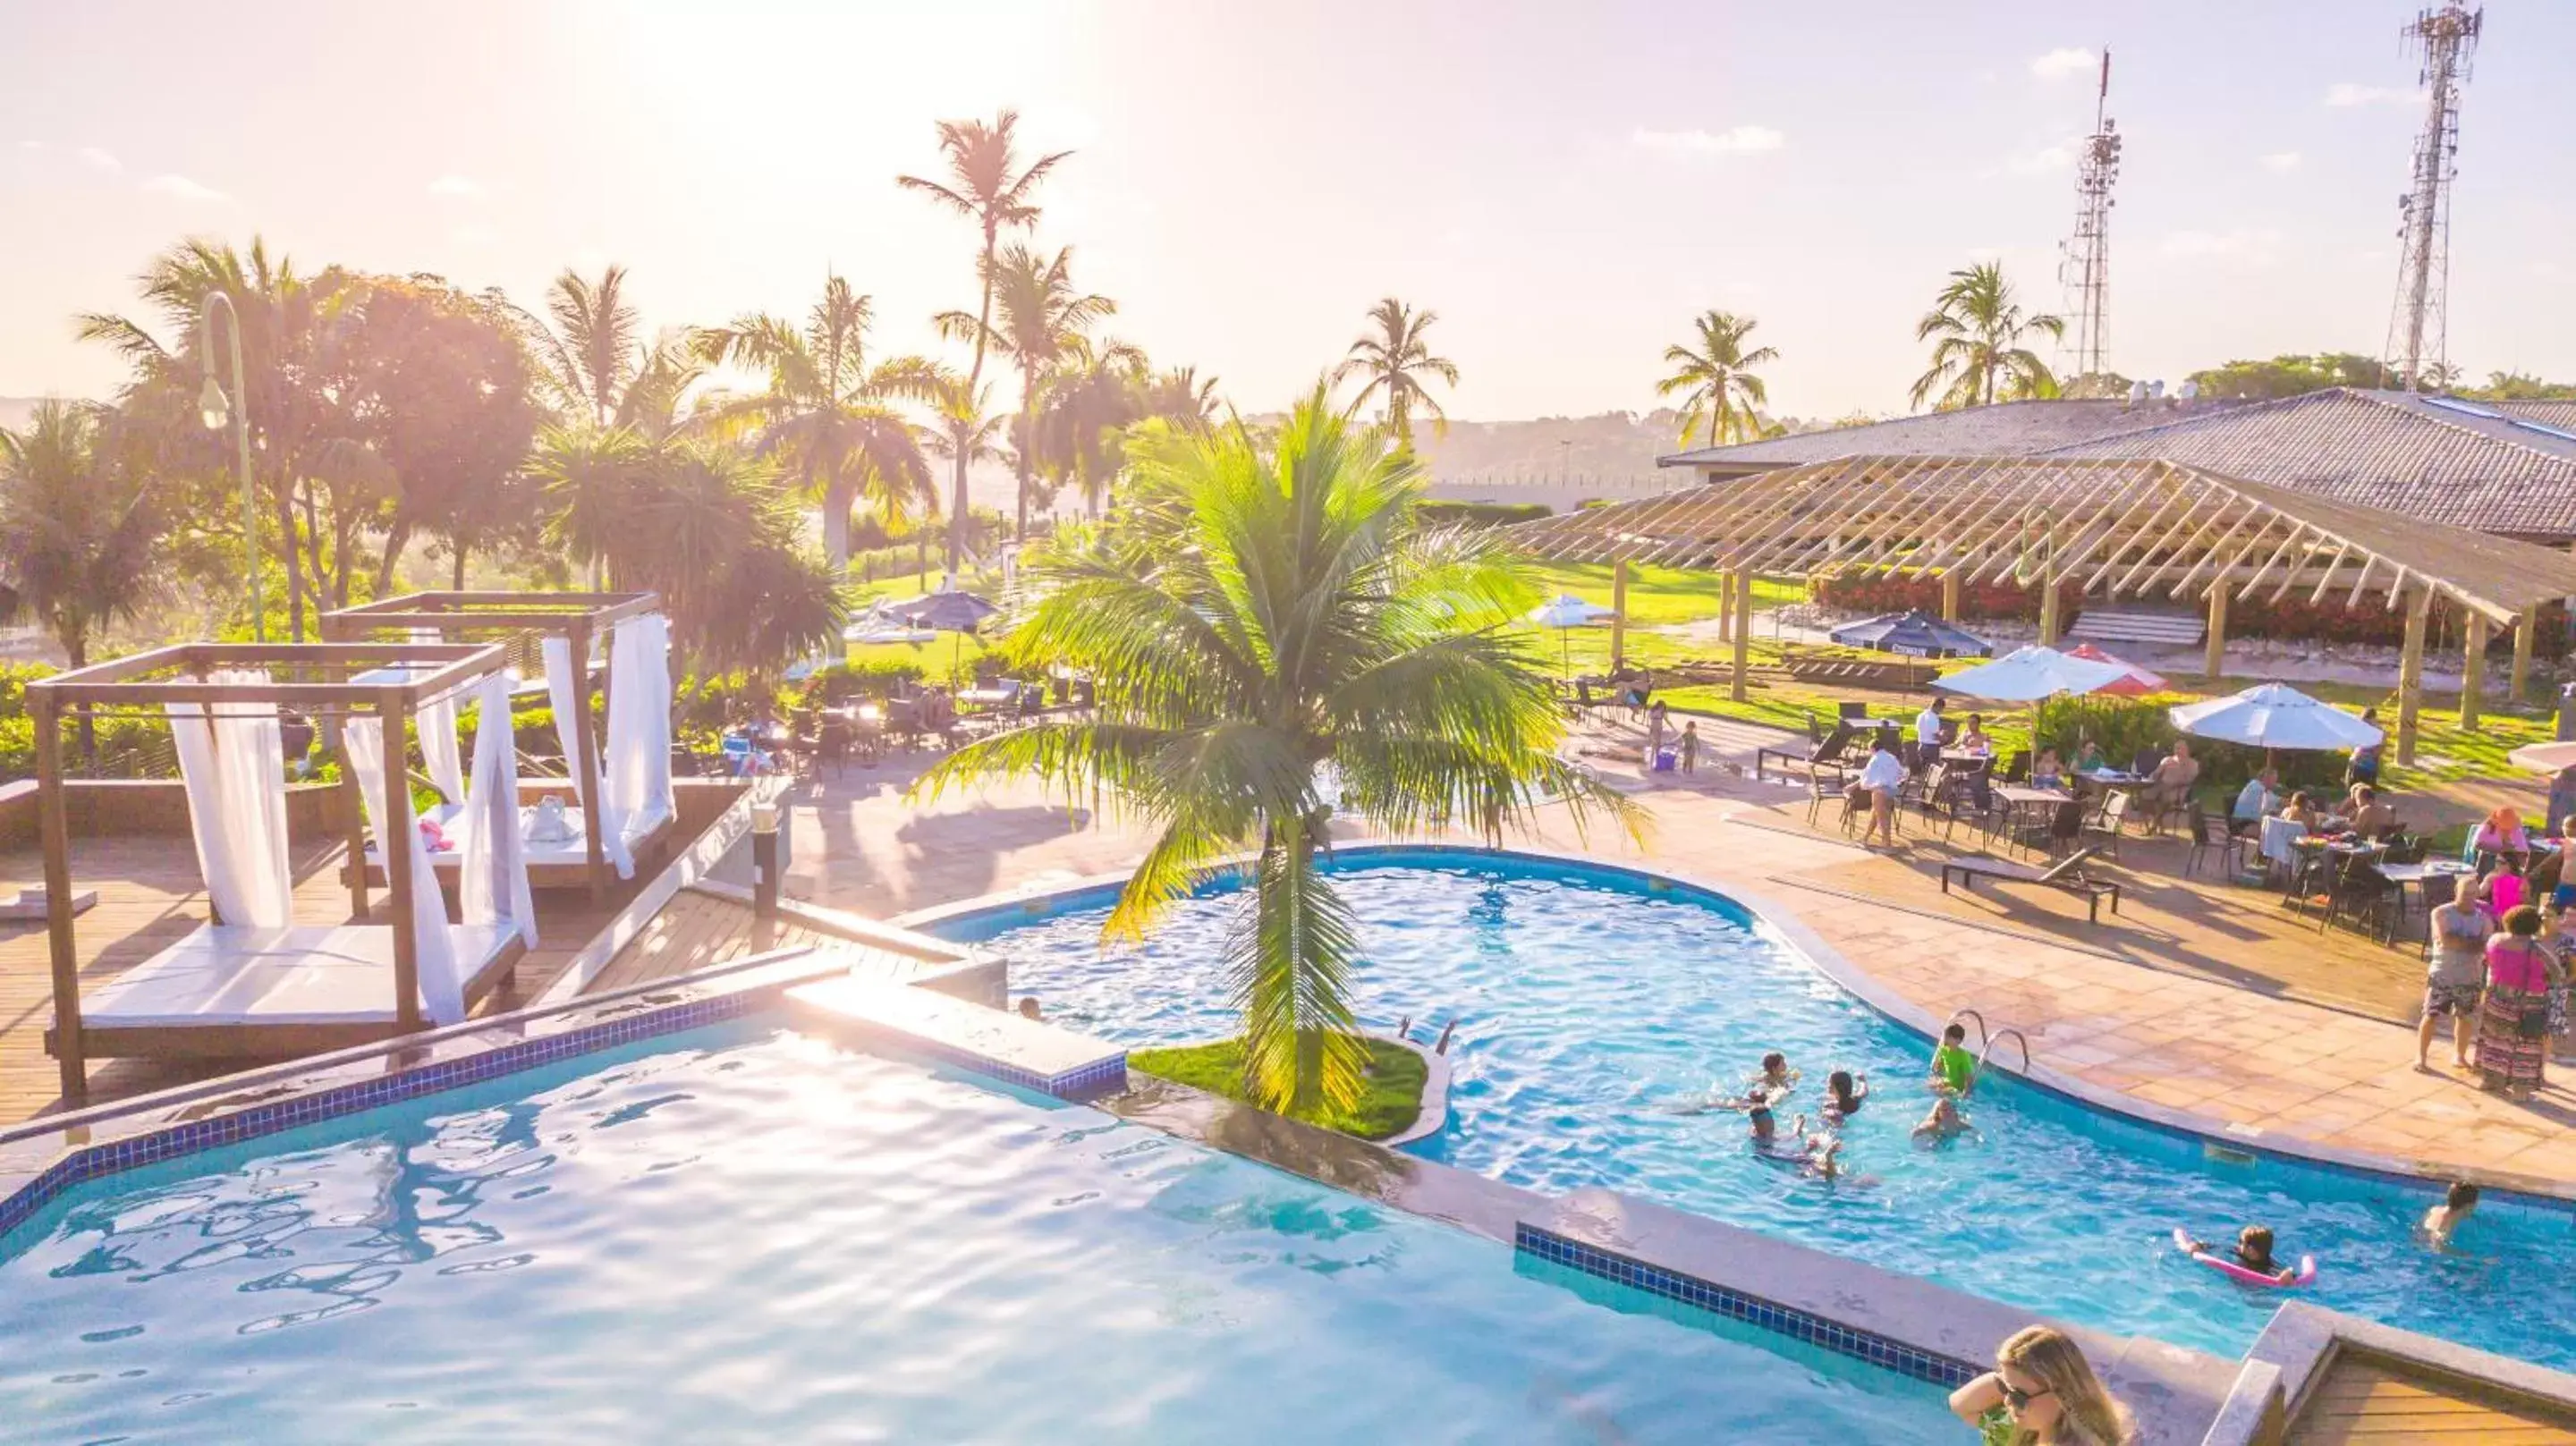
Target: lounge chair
1825,756
2066,875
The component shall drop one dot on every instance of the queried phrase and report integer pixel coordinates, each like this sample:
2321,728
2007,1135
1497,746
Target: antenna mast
2418,327
2084,260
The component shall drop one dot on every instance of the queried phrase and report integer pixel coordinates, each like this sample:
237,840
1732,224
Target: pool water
752,1236
1594,1006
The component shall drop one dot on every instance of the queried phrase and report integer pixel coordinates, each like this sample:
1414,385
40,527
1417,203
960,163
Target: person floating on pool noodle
1945,1121
2253,1250
1953,1068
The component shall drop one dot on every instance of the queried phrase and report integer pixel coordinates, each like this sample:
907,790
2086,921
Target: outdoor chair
1924,789
2144,761
2109,822
2064,828
2360,891
2067,875
2168,803
2017,768
2208,833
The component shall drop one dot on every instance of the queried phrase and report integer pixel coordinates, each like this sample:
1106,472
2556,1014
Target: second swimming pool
1594,1008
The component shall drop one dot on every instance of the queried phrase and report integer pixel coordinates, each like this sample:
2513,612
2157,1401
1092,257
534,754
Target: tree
1395,359
594,350
1979,358
829,415
1176,395
1099,392
1717,381
592,481
1257,613
2291,375
988,185
1043,321
80,528
965,429
2520,387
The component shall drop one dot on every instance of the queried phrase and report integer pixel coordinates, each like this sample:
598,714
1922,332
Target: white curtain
638,784
438,737
562,683
442,990
233,766
493,874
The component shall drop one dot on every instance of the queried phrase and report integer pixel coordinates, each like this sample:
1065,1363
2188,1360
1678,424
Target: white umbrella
1564,613
2026,675
2275,715
2543,757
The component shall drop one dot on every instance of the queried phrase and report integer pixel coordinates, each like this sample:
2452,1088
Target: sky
1567,186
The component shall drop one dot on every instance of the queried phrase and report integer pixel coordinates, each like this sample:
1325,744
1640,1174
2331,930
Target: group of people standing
2502,978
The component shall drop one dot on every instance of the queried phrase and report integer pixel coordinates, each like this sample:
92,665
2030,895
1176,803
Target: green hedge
1479,514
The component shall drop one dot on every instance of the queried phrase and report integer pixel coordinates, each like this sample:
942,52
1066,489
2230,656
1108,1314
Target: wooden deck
695,931
2367,1402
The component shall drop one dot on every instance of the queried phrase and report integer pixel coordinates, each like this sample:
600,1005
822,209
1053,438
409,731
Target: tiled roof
2006,429
2561,415
2405,454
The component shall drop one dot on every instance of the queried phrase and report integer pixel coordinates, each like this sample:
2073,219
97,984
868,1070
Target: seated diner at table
2372,816
2501,837
1973,742
2302,810
2260,795
2088,756
2047,772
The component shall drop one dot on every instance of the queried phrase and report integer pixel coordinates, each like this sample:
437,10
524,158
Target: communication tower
2418,326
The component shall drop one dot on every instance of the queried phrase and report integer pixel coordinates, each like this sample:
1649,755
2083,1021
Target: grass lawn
1390,1095
1657,595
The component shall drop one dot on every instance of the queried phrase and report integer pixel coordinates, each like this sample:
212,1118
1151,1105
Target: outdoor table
2421,878
988,697
2019,798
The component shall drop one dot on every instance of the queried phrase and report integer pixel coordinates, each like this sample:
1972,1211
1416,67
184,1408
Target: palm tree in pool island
987,184
1253,613
1395,357
1979,357
1717,381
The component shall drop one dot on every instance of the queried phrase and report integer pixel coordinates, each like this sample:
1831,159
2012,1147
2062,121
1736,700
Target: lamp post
215,410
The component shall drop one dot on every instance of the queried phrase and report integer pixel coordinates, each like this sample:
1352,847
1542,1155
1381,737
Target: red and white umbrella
2137,683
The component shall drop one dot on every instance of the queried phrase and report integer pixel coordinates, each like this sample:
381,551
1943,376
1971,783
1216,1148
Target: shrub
870,678
1888,593
1479,514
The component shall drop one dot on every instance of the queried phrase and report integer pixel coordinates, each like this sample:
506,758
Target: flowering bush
1882,593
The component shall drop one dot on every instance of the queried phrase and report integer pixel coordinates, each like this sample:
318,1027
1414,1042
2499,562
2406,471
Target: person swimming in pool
2253,1250
1757,1116
1945,1122
2442,1220
1953,1068
1776,1077
1845,1093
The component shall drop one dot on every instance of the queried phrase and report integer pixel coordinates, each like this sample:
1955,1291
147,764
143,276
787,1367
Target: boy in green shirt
1953,1068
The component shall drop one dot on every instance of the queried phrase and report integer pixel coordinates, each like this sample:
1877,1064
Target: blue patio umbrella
945,611
1915,634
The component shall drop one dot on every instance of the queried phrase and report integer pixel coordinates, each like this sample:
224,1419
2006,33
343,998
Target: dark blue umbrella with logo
1916,635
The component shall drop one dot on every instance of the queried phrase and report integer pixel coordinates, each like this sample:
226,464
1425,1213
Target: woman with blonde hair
2045,1392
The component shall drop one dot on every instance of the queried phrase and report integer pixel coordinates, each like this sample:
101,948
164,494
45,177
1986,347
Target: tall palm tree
830,415
1395,358
1043,320
1264,611
988,185
594,350
1979,358
591,479
1717,380
1178,396
80,533
1099,391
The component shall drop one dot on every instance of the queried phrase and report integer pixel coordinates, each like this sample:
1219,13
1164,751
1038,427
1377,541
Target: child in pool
1954,1070
2253,1250
1844,1097
2445,1218
1944,1122
1776,1076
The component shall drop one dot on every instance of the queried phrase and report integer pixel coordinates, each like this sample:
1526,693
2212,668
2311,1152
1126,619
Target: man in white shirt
2259,796
1880,778
1927,732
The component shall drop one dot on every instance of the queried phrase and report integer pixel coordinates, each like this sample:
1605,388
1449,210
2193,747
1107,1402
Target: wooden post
55,833
1618,614
394,839
2410,673
353,804
584,766
2048,609
2526,627
1727,621
2215,663
1743,589
1950,596
2473,667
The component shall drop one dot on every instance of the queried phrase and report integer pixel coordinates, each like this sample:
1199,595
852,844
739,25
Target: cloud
2258,246
1740,140
2281,162
2063,62
455,186
101,160
2345,93
180,188
2041,161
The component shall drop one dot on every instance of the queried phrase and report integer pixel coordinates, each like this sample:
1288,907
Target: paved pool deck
2204,1002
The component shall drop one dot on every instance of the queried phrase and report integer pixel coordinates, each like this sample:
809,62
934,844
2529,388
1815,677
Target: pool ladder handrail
1404,1031
2000,1035
1983,1042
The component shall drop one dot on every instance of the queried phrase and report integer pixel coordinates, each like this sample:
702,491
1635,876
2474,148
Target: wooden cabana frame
2109,527
319,678
578,617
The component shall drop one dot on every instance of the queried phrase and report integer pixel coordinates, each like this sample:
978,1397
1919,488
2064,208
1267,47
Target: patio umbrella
1915,634
2275,715
1565,613
2137,683
879,625
947,611
2544,757
2026,675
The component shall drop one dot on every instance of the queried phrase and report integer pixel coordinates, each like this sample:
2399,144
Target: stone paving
2163,1010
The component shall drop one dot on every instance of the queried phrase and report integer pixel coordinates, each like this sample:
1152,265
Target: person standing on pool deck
2513,1023
1953,1068
1927,733
2042,1386
1658,727
1690,746
2456,974
1879,779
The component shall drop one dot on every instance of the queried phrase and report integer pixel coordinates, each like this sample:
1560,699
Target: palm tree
1263,611
988,185
830,415
1395,358
1979,358
964,427
1043,320
1098,392
591,479
594,350
1718,380
80,533
1178,396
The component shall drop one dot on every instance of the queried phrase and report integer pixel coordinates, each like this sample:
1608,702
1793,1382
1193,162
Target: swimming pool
744,1234
1592,1004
